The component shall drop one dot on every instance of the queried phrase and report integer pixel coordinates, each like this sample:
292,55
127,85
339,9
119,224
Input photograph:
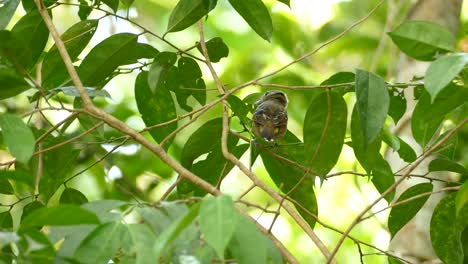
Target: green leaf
127,3
5,186
7,11
18,176
18,137
30,5
61,215
447,165
12,83
102,208
256,15
105,57
397,106
84,9
31,207
155,106
139,244
401,214
158,72
372,104
461,200
341,78
406,152
216,48
391,140
187,12
101,244
382,177
141,51
324,131
72,91
286,2
218,221
248,245
442,71
76,38
241,110
446,229
422,40
35,247
6,220
72,196
113,4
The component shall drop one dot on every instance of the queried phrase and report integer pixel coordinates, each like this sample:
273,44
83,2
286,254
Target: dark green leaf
155,106
422,40
127,3
72,196
447,165
141,51
189,82
324,131
446,229
18,137
159,69
248,245
397,106
449,148
7,11
406,152
442,71
187,12
59,216
30,5
382,177
84,9
390,139
372,104
12,83
240,109
18,176
105,57
216,48
5,186
341,78
218,221
76,38
256,15
101,244
6,221
113,4
31,207
286,2
401,214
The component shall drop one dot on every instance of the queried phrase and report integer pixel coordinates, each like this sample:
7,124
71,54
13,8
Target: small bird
270,118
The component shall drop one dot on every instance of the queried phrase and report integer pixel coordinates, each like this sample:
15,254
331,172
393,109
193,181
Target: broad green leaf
12,83
382,177
449,148
216,48
113,4
427,117
401,214
406,152
138,244
59,216
447,165
442,71
397,106
6,220
31,207
218,221
188,12
372,103
5,186
248,245
101,244
159,68
18,176
18,137
72,196
341,78
7,11
155,106
256,15
105,57
84,9
141,51
391,140
422,40
28,39
324,131
461,199
241,110
366,155
76,38
446,229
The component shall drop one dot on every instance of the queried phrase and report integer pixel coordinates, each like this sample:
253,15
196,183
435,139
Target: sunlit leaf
18,137
422,40
7,11
401,214
256,15
60,215
187,12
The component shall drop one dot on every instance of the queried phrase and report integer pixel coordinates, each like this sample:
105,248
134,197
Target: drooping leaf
447,165
218,221
12,83
6,220
76,38
442,71
401,214
422,40
105,57
6,187
7,11
187,12
19,176
372,101
72,196
18,137
324,131
216,48
382,177
61,215
256,15
397,106
248,245
406,152
155,106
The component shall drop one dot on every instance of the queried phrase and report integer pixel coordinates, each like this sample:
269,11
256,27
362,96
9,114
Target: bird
270,117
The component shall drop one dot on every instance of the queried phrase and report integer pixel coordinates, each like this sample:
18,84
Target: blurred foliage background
133,172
